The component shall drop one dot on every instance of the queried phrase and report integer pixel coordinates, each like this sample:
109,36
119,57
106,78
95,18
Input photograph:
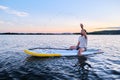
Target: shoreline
105,32
58,34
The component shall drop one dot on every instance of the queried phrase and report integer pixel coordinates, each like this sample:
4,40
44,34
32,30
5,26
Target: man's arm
78,44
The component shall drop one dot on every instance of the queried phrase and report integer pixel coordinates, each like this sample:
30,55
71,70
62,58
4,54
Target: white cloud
17,13
6,23
2,22
14,12
3,7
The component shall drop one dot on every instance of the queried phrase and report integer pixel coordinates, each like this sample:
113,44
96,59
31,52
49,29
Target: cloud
6,23
2,22
14,12
3,7
110,28
17,13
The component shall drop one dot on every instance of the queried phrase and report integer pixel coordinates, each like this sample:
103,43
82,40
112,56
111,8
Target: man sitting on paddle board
82,41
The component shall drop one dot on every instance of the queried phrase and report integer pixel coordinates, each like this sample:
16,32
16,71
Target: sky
58,15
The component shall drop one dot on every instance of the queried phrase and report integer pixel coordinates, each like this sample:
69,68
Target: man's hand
81,25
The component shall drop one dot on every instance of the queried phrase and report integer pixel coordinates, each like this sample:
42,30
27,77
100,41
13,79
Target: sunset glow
58,15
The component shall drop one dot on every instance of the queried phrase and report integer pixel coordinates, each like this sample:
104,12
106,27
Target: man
82,41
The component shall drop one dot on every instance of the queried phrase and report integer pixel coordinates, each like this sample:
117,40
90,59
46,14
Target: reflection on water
32,58
82,62
83,67
16,65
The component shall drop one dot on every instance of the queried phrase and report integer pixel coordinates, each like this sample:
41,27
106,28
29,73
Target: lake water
16,65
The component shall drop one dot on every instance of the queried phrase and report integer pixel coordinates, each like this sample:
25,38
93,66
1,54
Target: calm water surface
16,65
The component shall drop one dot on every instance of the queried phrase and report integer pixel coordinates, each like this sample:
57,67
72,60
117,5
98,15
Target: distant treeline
106,32
9,33
109,32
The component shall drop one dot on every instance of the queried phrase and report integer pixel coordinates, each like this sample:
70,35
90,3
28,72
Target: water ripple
16,65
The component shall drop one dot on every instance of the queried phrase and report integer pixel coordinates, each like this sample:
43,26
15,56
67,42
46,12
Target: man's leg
72,47
80,50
